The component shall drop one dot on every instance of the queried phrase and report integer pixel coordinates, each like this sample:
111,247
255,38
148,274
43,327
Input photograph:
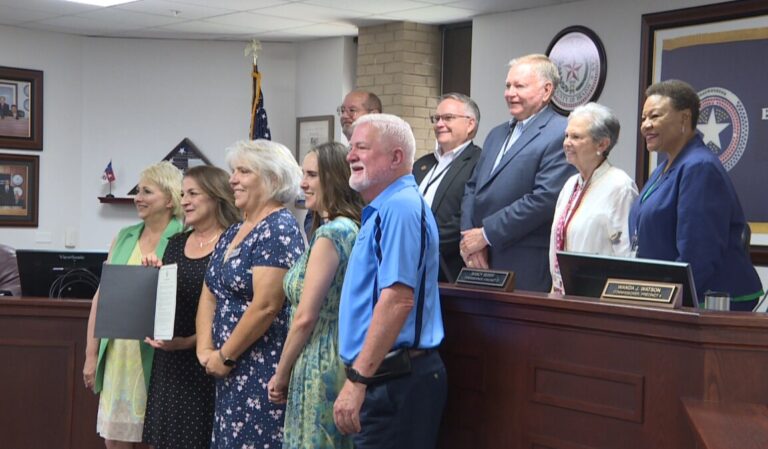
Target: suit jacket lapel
450,175
423,167
531,132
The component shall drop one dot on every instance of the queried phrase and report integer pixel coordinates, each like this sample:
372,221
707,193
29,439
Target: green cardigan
121,251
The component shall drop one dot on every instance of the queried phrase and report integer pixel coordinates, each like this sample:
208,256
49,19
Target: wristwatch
355,376
226,360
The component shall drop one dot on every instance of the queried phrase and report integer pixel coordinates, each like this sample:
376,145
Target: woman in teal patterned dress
310,373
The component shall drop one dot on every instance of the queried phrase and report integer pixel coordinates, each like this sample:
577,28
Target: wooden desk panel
43,403
529,371
42,345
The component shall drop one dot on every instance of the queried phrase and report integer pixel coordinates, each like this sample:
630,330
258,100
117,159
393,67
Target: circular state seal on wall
580,58
723,124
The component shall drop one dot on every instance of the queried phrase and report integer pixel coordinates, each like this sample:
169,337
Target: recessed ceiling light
102,2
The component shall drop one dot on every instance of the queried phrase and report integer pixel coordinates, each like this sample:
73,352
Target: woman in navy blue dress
242,316
688,210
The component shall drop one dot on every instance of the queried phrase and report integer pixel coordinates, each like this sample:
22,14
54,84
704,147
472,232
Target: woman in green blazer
115,368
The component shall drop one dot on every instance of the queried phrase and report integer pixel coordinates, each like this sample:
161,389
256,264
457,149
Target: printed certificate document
136,302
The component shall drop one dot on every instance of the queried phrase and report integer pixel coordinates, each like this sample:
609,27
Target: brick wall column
400,62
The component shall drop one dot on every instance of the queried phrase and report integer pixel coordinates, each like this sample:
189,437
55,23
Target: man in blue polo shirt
389,318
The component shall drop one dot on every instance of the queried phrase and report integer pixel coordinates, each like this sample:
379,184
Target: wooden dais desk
526,370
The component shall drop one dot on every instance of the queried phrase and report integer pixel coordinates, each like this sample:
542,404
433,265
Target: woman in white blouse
592,210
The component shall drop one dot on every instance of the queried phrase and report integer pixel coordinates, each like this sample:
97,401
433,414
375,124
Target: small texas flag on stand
108,177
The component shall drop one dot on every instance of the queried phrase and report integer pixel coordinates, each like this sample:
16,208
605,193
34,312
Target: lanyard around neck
434,178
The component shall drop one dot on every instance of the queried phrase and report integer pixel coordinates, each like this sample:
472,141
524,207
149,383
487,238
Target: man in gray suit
508,204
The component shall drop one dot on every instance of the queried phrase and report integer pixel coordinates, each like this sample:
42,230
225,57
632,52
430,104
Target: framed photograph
580,57
19,184
21,109
312,131
719,49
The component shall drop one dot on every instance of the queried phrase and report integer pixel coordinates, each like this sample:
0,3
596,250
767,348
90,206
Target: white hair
273,162
395,130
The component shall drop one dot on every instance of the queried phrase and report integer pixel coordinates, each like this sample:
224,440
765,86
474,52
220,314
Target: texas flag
108,175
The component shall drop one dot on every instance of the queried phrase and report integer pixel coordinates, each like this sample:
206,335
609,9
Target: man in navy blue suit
508,204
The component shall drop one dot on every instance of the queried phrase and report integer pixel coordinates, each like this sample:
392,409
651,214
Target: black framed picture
21,109
19,185
580,57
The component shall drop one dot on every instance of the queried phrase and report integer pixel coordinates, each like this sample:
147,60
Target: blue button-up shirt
399,208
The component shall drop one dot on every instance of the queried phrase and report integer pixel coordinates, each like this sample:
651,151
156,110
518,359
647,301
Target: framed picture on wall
19,184
312,131
719,50
21,109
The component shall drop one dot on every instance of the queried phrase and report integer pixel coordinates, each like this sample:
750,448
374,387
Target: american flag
108,175
259,124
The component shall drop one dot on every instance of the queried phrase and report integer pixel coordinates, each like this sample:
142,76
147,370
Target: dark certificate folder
127,301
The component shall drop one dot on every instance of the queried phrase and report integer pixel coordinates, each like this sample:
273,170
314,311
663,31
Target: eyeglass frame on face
446,118
353,112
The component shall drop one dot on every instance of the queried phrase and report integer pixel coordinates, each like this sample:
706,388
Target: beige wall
400,62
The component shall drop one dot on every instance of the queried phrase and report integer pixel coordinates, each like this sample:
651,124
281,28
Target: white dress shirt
600,224
435,175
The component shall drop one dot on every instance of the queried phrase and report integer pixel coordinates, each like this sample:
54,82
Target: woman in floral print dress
242,316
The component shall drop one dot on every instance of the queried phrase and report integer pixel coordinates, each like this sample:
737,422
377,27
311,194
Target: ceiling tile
233,5
166,8
207,27
431,15
53,7
368,6
129,19
258,21
329,29
314,12
10,15
86,26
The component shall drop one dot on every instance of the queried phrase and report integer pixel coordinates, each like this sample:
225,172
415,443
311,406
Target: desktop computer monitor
585,274
59,274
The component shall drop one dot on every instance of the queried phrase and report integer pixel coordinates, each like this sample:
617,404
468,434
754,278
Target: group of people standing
543,184
257,359
333,344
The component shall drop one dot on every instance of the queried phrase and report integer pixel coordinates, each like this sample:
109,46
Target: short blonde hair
273,162
166,176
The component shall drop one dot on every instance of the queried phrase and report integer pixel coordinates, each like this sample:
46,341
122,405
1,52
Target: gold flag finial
253,49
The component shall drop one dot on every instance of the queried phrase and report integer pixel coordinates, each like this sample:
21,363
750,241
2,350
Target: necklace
202,243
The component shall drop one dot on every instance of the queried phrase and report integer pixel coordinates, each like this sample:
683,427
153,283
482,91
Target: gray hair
470,107
394,129
603,123
274,163
542,65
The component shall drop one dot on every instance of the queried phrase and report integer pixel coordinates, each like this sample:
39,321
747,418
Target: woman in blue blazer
688,210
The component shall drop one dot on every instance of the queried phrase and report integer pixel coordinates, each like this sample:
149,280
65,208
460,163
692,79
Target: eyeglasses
353,112
447,118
